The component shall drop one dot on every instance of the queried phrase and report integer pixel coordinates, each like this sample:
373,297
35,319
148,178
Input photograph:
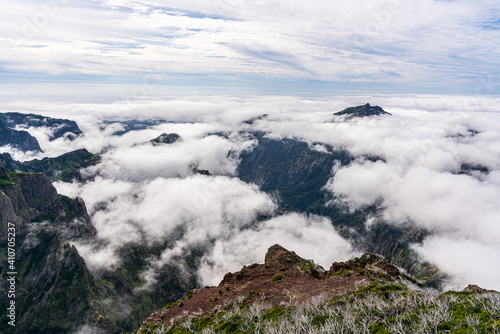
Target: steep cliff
58,127
54,291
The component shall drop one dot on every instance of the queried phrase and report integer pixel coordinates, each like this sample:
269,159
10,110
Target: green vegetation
278,277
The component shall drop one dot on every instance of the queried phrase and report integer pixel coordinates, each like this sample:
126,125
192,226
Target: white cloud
151,190
421,43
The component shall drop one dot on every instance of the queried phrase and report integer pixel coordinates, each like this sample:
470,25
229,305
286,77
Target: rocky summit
361,111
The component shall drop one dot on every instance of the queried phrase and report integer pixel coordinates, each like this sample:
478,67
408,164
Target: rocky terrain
288,294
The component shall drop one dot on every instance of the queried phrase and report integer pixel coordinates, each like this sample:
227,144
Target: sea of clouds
145,193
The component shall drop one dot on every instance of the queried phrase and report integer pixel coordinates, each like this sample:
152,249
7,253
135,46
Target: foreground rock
283,278
289,294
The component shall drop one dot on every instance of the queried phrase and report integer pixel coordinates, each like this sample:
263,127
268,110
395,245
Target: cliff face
54,290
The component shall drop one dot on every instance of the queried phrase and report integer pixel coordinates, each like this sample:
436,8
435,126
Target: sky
114,49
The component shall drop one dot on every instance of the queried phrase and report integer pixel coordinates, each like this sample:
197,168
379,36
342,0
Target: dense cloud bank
437,166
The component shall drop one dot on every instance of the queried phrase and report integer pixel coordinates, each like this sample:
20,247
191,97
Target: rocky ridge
283,278
288,294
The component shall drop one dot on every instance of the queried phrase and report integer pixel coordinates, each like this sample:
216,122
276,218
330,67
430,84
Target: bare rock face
279,255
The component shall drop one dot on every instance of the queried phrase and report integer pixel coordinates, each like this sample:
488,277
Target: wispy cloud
379,45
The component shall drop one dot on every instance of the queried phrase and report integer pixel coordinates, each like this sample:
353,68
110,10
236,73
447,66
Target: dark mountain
288,294
20,140
63,168
295,174
361,111
60,127
54,291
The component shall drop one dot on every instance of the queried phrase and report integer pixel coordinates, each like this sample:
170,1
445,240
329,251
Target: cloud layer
438,167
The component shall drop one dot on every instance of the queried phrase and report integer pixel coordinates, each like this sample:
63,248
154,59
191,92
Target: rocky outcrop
283,278
363,295
165,138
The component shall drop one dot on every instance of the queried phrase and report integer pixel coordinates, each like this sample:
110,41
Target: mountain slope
59,127
62,168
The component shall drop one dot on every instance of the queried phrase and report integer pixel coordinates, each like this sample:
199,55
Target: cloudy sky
104,49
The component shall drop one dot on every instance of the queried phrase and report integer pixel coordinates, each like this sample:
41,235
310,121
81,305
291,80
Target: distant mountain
166,138
60,127
20,140
63,168
288,294
361,111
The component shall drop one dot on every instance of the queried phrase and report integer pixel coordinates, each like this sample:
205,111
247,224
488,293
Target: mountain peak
166,138
278,255
362,111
